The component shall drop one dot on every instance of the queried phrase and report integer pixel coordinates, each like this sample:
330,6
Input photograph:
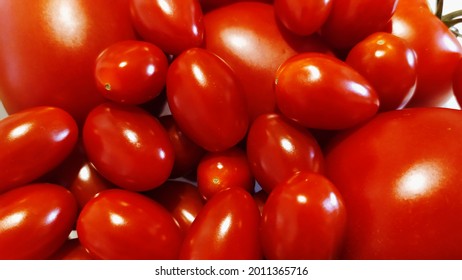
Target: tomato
378,58
254,47
35,221
303,17
48,49
350,21
128,146
187,153
322,92
120,224
277,148
182,199
72,250
457,83
206,100
226,228
437,50
34,141
303,218
221,170
131,72
399,175
173,25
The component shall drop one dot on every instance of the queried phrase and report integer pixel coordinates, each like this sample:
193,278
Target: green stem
451,19
439,8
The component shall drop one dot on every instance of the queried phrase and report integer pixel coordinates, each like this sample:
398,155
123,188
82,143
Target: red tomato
438,51
221,170
278,148
399,175
379,58
128,146
34,141
48,49
131,72
187,153
322,92
173,25
303,17
254,47
206,100
182,199
72,250
119,224
303,218
226,228
457,83
35,221
350,21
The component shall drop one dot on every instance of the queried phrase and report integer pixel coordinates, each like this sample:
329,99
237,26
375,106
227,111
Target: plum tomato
303,218
131,72
128,146
34,141
379,58
35,220
221,170
120,224
206,100
399,176
278,148
226,228
323,92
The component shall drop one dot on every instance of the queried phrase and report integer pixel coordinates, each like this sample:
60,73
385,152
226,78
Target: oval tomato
35,221
399,175
34,141
119,224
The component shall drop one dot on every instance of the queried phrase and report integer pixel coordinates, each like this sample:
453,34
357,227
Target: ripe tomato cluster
229,129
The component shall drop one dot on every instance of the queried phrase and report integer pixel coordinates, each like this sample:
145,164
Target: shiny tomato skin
254,47
128,146
323,92
34,141
72,250
226,228
438,51
221,170
120,224
378,58
173,25
277,148
131,72
303,218
303,17
48,49
402,198
206,100
35,220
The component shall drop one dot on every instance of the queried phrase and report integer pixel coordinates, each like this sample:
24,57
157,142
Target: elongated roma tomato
34,141
35,221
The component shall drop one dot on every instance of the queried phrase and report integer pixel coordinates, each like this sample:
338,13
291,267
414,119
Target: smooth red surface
457,83
72,250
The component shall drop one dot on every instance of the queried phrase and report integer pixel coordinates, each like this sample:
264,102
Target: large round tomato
48,49
399,175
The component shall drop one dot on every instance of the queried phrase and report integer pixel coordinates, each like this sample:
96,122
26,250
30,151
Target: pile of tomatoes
213,129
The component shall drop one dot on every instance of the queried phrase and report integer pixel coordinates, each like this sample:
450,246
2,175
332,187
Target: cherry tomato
72,250
35,221
303,17
226,228
131,72
120,224
128,146
221,170
437,50
254,47
48,50
277,148
322,92
173,25
378,58
206,100
399,175
34,141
